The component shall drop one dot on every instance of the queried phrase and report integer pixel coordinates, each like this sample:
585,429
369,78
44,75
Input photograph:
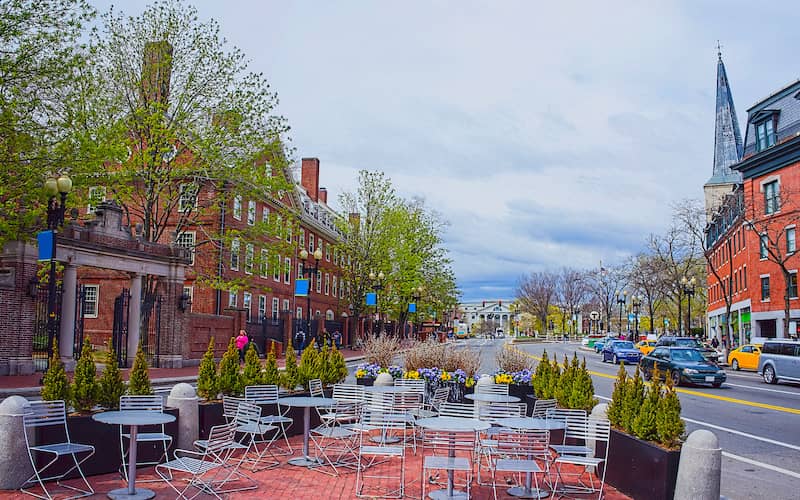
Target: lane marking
743,434
795,411
763,389
762,465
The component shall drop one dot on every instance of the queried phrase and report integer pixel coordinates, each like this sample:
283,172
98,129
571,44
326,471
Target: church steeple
728,147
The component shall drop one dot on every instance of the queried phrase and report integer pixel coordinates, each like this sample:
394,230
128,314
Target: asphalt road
758,425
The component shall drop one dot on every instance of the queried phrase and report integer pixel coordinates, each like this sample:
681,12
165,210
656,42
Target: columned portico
134,316
66,336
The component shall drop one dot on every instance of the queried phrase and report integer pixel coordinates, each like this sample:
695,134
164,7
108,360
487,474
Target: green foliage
139,381
337,368
84,389
553,381
541,377
270,375
309,365
55,385
564,384
668,419
251,374
634,397
582,396
616,408
644,425
229,382
207,374
111,384
289,380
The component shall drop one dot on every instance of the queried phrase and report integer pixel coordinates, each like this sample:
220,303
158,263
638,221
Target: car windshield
687,355
624,344
687,342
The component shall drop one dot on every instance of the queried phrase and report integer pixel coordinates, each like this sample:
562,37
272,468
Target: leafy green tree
270,374
290,378
616,408
229,381
668,419
139,381
634,397
55,384
251,374
111,384
207,374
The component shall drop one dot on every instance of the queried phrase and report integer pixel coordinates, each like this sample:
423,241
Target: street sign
594,315
47,246
631,317
301,287
412,307
372,299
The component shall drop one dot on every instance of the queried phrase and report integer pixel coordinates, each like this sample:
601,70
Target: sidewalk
26,385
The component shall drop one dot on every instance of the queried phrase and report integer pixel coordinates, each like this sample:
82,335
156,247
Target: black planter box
520,391
365,381
530,402
641,469
209,414
105,439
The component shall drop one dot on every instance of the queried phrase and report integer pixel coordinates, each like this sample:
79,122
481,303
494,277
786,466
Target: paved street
757,424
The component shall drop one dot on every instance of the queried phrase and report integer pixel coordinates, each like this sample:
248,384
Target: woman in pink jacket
241,343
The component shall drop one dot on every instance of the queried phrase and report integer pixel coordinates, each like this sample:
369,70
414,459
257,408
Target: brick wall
17,312
200,328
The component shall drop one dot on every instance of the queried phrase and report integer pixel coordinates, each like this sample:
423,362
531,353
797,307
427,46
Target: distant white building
497,311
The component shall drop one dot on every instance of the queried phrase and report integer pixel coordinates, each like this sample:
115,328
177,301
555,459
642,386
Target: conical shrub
111,384
309,365
337,366
229,382
616,408
541,376
55,384
251,374
634,397
84,382
582,396
139,380
289,380
207,374
271,375
668,419
644,426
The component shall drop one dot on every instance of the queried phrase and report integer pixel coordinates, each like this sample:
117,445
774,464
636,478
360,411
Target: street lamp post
636,304
621,300
310,271
687,285
415,296
377,285
55,219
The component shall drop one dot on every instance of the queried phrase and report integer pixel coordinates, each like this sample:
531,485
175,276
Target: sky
547,134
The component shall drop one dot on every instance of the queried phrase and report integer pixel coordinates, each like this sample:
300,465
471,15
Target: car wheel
716,385
676,378
616,360
769,375
735,365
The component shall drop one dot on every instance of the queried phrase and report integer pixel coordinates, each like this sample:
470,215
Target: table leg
305,460
527,491
131,492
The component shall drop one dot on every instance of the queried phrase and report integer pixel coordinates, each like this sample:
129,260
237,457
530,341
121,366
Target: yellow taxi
745,357
646,346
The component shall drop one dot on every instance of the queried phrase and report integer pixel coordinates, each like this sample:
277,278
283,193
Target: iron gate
45,326
268,329
119,336
80,304
150,327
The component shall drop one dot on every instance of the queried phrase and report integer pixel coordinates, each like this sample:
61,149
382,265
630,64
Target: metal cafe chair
384,423
52,414
268,395
142,403
517,451
597,430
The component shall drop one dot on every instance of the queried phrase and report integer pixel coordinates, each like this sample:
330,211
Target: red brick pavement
297,483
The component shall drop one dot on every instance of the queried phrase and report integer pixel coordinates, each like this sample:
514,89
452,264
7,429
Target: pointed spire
727,137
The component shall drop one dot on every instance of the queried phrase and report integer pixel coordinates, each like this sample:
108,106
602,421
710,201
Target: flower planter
641,469
365,381
105,439
209,414
519,390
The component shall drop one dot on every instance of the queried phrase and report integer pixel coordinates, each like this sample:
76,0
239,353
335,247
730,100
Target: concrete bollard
15,465
383,379
184,398
700,468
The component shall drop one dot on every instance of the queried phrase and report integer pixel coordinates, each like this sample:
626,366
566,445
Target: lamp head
683,280
64,184
693,281
51,186
371,275
303,254
318,254
381,276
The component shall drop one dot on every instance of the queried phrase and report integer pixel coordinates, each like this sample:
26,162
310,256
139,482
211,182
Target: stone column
135,317
184,398
66,336
15,466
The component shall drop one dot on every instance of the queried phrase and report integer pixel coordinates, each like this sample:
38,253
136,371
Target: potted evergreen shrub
210,408
289,377
139,380
111,384
229,381
644,448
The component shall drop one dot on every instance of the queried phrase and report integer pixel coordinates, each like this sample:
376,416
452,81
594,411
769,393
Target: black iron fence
150,327
46,325
119,335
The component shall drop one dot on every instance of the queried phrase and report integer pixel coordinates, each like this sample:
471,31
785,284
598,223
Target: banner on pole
301,287
372,299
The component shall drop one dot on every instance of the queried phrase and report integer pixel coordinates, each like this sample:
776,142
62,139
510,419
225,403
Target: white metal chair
492,389
248,422
52,414
269,395
460,410
208,469
452,452
230,405
431,409
518,452
541,406
383,423
408,404
416,386
315,388
491,412
152,403
598,431
336,439
574,432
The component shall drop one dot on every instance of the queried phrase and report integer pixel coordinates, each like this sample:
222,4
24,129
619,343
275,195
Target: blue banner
301,287
412,307
46,247
372,299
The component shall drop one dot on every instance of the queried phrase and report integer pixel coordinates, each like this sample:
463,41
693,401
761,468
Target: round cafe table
132,418
393,389
451,424
306,402
529,423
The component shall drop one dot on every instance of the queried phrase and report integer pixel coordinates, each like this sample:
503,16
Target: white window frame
265,214
264,263
299,313
763,247
235,248
328,252
237,207
251,213
287,270
299,270
310,243
187,200
275,305
249,256
262,307
761,287
796,285
187,235
329,315
189,292
90,207
334,287
790,249
285,304
301,242
247,304
87,300
276,271
327,284
763,186
319,281
233,298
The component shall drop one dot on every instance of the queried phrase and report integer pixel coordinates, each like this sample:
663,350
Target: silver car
780,361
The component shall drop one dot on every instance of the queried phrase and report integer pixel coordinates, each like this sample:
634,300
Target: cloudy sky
548,134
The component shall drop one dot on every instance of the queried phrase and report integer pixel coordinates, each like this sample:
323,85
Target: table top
453,424
491,398
530,423
133,417
306,401
387,388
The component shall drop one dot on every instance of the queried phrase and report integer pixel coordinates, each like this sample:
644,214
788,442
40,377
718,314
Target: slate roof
728,148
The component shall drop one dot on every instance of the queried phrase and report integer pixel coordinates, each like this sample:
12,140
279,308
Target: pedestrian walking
299,339
241,343
715,342
337,339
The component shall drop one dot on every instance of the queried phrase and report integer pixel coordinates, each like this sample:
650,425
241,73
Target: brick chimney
323,195
309,177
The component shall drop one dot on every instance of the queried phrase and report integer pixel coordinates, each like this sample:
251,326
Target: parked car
780,361
683,364
599,343
498,333
708,352
645,346
621,351
745,357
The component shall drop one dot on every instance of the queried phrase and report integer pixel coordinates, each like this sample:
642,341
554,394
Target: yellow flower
361,373
413,374
446,376
502,378
470,382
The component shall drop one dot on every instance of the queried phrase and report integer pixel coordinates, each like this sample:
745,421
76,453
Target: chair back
379,401
220,440
541,406
45,414
523,444
416,386
348,392
456,410
440,395
248,413
492,389
501,410
575,421
448,442
152,403
406,402
230,405
261,394
315,388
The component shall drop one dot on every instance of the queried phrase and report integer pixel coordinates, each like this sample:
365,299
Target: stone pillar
66,336
15,466
18,265
184,398
135,317
700,468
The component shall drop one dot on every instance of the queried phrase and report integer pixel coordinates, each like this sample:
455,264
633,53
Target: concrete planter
641,469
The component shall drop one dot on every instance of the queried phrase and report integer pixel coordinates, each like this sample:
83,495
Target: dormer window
765,133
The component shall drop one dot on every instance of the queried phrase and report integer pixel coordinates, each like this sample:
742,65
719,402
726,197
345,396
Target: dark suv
672,341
